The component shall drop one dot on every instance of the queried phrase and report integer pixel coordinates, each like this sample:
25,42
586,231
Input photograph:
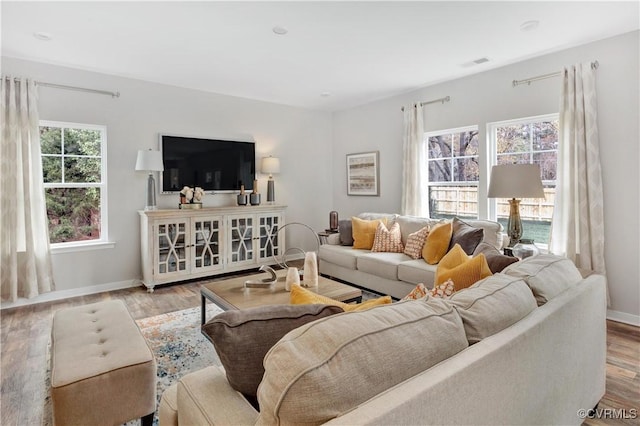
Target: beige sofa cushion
417,271
547,275
204,397
493,304
383,265
389,217
325,368
345,256
411,224
492,231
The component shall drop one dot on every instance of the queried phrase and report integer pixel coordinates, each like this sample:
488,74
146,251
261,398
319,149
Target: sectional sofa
395,274
524,346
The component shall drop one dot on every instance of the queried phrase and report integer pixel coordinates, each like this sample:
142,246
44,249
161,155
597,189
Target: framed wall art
363,173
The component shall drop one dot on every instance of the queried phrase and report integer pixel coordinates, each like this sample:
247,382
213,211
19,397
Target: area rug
178,346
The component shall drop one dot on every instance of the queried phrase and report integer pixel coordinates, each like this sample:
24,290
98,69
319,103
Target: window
528,140
452,157
74,174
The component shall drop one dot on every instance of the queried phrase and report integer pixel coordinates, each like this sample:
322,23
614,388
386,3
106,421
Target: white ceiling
356,51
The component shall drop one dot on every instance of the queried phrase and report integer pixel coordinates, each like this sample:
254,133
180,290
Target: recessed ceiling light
279,30
529,25
325,94
40,35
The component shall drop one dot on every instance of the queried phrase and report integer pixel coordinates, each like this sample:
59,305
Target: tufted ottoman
102,371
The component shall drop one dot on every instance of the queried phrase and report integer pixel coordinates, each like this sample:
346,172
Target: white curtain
25,261
414,198
578,220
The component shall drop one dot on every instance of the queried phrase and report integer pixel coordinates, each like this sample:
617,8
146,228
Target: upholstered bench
102,370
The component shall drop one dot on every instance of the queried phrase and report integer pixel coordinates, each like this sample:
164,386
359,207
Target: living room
312,143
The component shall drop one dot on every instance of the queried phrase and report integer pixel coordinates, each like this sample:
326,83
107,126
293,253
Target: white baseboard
72,292
623,317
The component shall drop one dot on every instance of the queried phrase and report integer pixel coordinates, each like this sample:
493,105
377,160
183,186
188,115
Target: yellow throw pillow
462,269
437,243
302,296
364,232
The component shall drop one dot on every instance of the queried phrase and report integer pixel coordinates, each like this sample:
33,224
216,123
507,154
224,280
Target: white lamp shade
516,181
270,165
149,161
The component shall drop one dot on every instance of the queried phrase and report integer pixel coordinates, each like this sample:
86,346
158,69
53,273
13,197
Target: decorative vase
525,248
311,269
242,197
293,277
254,197
333,220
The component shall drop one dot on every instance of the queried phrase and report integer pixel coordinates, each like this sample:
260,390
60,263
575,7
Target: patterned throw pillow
415,242
387,240
418,292
443,291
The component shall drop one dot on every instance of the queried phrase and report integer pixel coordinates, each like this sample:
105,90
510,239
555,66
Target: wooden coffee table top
231,294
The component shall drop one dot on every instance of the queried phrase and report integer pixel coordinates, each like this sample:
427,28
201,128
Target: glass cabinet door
206,247
268,226
171,247
240,231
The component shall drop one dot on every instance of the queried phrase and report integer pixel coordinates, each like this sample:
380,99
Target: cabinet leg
149,289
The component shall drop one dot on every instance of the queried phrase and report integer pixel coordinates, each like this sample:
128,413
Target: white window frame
427,182
102,242
492,150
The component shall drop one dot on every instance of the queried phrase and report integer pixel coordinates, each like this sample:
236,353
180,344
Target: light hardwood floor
25,334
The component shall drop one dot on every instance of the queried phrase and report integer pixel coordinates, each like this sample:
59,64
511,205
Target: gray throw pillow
346,232
243,337
496,260
466,235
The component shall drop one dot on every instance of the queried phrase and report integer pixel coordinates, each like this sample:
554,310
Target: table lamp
150,161
270,165
511,181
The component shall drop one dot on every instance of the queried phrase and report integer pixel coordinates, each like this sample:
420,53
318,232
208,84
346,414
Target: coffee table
231,294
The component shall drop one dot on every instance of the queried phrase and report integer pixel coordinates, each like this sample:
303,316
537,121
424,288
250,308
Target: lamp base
514,225
271,192
151,193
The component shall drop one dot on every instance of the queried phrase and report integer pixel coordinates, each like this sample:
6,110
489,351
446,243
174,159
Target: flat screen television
211,164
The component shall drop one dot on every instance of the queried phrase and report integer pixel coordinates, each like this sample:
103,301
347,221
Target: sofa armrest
206,398
333,239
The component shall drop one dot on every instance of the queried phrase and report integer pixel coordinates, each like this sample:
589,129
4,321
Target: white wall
301,138
489,97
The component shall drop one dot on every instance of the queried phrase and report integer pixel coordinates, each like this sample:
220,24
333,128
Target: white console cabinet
179,245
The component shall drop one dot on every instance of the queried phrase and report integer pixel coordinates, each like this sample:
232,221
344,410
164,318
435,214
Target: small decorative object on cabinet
191,198
179,245
254,197
525,248
242,197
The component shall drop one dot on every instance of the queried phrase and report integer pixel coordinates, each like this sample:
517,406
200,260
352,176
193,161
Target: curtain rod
76,88
594,66
442,100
